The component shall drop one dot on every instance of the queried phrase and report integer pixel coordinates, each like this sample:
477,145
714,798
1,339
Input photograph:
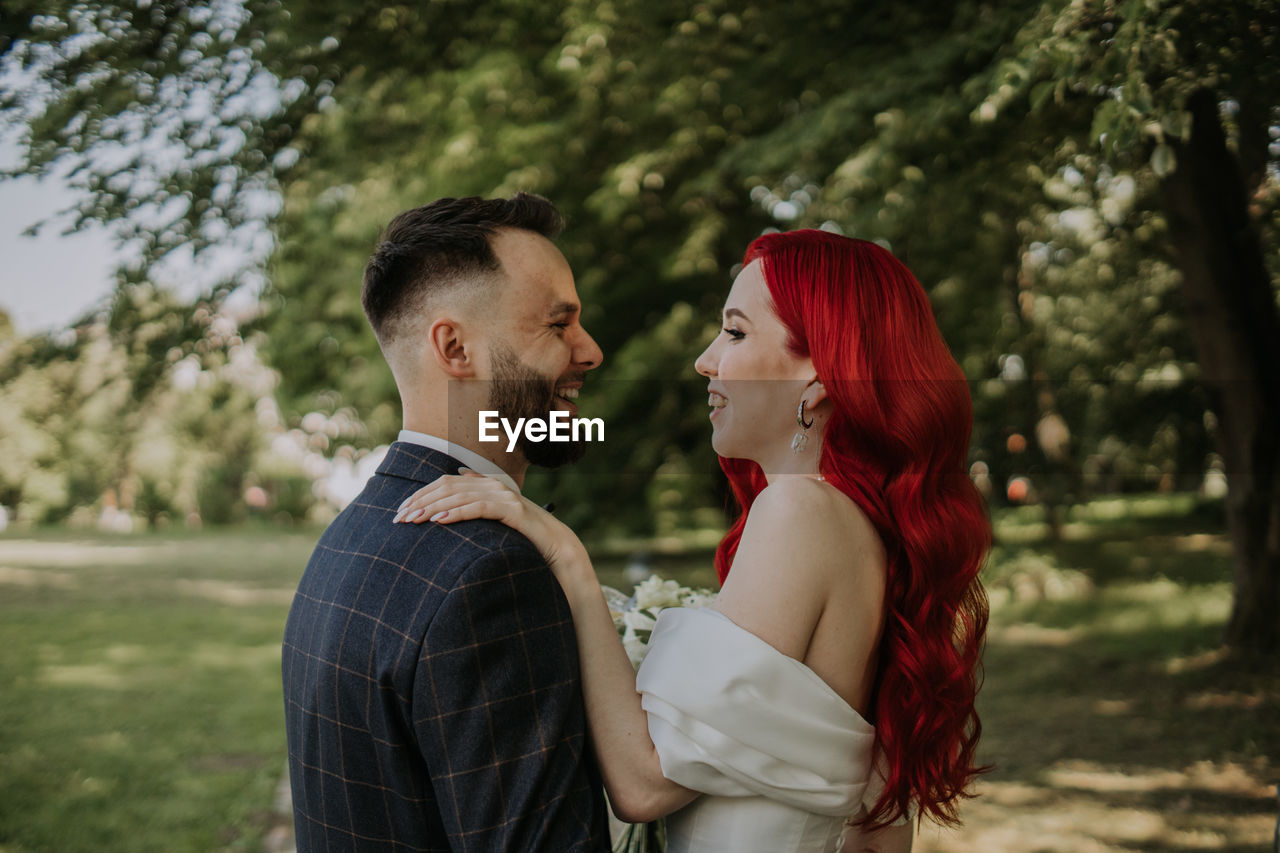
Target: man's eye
559,325
735,334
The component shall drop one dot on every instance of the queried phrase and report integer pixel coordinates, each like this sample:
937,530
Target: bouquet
635,617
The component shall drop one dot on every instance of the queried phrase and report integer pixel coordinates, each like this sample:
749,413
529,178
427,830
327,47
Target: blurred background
1088,190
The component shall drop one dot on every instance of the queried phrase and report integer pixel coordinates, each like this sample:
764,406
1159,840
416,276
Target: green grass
1113,718
141,706
141,709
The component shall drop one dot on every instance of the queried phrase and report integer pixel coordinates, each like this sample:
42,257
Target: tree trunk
1234,324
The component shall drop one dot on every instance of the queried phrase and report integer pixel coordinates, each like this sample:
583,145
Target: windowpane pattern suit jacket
432,693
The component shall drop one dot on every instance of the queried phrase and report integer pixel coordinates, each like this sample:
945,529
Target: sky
51,280
48,281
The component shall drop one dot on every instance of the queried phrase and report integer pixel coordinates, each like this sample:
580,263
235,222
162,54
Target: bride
832,683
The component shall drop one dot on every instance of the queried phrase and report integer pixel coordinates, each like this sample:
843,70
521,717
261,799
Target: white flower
637,616
697,598
657,593
638,620
636,649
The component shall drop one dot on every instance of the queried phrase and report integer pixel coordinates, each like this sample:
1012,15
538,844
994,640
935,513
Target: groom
431,679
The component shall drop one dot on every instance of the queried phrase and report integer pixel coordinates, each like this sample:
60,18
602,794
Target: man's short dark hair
427,249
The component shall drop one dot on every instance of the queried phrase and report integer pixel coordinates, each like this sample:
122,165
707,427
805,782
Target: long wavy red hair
896,443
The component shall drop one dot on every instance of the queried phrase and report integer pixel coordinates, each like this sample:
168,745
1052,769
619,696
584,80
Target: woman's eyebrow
734,312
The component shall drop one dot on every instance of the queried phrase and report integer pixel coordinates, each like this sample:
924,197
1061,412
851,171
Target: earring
801,439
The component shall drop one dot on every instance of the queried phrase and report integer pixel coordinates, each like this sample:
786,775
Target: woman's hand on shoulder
469,495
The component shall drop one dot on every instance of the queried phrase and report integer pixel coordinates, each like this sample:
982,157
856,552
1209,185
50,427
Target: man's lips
566,395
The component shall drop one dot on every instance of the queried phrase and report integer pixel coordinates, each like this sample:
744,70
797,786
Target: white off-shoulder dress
781,758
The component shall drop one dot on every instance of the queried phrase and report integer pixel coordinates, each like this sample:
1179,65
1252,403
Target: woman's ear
447,345
814,393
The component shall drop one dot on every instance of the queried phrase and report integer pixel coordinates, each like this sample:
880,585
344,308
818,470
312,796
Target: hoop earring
801,439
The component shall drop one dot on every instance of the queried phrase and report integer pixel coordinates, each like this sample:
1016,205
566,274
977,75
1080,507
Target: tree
1191,88
162,113
964,135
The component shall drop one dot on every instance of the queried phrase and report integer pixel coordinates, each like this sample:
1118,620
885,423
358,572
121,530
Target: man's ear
449,347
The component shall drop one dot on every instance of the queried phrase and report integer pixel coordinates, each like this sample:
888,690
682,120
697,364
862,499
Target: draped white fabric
782,758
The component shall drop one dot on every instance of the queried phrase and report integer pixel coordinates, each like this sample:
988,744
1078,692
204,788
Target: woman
849,582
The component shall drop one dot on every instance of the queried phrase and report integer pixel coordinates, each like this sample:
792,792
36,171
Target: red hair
897,444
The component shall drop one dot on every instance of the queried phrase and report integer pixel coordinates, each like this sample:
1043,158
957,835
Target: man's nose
587,352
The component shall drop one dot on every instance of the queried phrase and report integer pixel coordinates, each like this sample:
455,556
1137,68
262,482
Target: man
431,680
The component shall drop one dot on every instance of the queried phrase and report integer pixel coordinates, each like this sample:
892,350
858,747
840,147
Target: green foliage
290,497
1010,153
1138,62
154,408
152,501
218,492
160,110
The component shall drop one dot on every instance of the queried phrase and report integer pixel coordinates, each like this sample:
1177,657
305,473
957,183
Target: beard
519,391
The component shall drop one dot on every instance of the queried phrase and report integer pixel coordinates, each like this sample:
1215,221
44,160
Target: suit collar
467,457
417,463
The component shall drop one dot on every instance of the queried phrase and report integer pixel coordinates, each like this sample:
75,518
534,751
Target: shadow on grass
1160,696
1097,748
1112,715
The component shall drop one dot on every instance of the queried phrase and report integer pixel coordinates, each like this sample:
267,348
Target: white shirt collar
469,458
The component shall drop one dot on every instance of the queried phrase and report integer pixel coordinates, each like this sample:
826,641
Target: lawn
1112,718
141,709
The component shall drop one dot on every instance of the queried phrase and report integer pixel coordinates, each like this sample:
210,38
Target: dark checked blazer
432,694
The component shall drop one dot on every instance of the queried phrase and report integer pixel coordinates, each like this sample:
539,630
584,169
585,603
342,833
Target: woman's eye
735,334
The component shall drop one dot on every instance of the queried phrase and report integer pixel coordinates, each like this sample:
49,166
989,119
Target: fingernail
404,503
465,470
399,516
439,515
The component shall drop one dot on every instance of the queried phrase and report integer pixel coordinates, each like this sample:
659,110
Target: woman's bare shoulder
815,516
803,542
